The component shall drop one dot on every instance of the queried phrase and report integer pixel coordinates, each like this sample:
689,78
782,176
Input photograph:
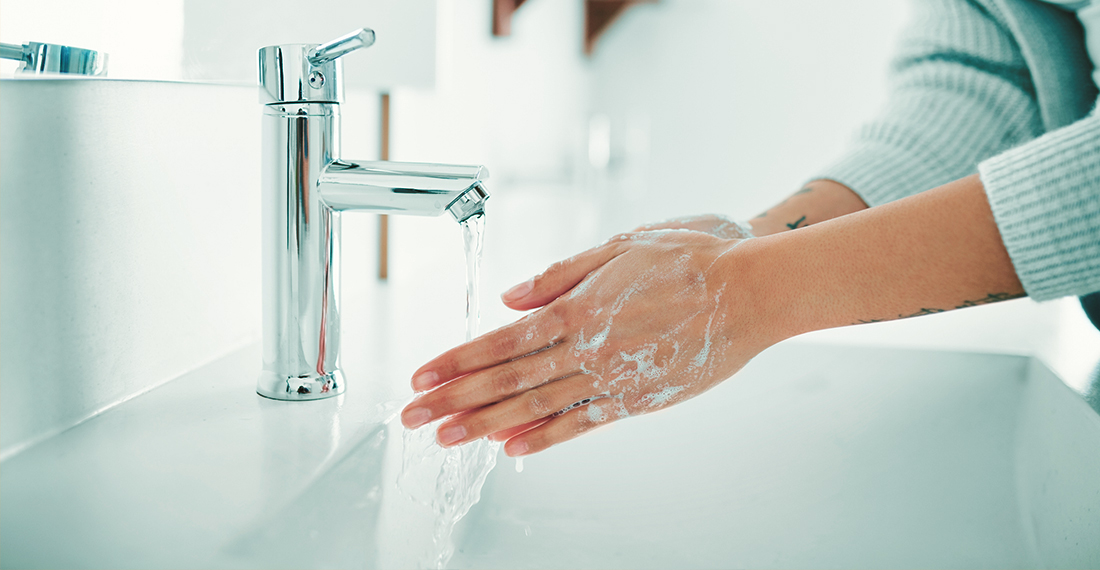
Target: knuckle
585,421
503,347
557,316
538,404
449,367
538,441
507,381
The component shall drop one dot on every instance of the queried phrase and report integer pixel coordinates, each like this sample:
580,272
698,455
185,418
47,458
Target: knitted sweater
1002,88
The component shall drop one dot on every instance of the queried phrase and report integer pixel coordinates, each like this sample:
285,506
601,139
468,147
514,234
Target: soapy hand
713,224
644,321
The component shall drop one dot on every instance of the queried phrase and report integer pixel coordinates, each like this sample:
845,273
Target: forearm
936,251
816,202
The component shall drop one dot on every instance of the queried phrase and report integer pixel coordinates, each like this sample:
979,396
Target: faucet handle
328,51
307,73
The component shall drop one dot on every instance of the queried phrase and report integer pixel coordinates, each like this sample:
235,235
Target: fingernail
451,434
517,449
416,417
425,380
519,291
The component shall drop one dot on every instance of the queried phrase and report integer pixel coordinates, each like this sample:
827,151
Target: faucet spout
410,188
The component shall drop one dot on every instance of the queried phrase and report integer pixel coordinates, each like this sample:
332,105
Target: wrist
765,301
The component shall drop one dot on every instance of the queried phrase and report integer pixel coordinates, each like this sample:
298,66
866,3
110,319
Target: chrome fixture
305,187
52,58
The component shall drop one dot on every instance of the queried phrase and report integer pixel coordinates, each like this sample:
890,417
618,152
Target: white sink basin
817,457
813,456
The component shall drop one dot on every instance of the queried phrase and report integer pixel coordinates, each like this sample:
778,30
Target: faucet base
295,388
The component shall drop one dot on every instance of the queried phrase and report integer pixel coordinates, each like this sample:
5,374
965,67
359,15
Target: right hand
642,322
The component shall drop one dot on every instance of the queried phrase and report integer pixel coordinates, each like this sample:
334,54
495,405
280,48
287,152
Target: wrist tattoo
988,299
795,225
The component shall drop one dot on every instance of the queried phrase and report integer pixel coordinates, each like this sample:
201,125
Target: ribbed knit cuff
1045,197
881,172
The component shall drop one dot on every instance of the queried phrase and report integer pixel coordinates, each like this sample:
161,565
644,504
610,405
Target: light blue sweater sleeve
961,93
1045,197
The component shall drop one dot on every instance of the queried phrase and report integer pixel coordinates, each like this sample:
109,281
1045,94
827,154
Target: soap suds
661,398
648,237
584,285
592,343
701,358
645,366
723,227
596,414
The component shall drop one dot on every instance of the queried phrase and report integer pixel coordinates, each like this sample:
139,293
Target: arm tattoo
990,298
796,223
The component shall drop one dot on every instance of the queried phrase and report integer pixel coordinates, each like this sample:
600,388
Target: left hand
644,321
713,224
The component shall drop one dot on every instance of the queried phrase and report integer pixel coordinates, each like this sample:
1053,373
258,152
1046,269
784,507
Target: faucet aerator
469,204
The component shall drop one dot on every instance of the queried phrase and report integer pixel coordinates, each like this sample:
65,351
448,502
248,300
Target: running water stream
459,472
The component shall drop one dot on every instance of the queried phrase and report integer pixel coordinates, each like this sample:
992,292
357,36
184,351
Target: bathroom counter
170,477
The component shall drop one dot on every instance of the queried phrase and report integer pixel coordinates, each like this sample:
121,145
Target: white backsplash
129,214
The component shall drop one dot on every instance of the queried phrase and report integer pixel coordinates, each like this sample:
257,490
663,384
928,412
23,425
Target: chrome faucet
305,185
37,57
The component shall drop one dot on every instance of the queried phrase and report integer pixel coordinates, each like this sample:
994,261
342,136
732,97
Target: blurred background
683,106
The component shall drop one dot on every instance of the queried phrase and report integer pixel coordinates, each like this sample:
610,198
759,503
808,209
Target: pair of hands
648,319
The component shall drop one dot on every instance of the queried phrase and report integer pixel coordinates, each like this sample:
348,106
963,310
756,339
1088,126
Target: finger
566,427
506,434
528,336
534,404
487,386
559,277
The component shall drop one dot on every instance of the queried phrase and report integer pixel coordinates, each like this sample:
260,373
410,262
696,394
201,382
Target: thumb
558,278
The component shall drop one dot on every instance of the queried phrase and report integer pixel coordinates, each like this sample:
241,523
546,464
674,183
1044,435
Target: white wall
212,40
143,39
130,242
727,106
515,104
